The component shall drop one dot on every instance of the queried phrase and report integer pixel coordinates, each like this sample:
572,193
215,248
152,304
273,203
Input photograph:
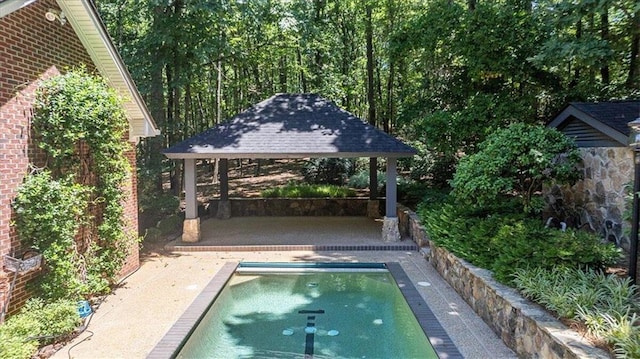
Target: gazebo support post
191,225
373,205
224,207
390,229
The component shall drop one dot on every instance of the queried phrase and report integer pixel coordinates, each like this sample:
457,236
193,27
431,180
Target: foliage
48,215
36,324
503,240
308,191
421,165
80,123
361,179
604,303
447,72
328,170
518,160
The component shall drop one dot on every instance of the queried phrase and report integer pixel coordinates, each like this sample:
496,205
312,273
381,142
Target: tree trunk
633,78
604,35
373,162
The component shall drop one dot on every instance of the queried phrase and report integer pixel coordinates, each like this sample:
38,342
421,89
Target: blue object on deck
84,309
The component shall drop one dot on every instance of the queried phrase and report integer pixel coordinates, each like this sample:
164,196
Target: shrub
604,303
517,159
48,215
36,324
308,191
328,170
503,240
361,179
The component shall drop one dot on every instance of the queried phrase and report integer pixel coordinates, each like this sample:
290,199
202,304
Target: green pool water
306,313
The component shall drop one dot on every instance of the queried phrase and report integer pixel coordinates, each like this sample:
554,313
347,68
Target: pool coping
187,322
184,326
302,247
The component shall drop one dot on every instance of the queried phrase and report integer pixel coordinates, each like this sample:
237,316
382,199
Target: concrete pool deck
132,320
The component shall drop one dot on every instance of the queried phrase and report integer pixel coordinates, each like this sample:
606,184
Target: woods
442,74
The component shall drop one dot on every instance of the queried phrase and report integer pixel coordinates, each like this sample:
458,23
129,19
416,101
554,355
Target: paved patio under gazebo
289,126
292,234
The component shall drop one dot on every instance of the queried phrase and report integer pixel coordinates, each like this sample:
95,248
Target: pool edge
171,342
444,347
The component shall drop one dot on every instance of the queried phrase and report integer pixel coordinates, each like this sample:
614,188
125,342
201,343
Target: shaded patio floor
291,233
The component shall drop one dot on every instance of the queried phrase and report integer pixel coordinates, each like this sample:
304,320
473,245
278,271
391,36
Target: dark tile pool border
444,346
182,328
293,247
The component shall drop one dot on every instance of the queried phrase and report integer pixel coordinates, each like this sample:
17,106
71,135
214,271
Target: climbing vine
80,124
48,215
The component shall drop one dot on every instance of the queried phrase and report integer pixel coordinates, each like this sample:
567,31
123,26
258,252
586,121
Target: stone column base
224,210
390,229
373,208
191,230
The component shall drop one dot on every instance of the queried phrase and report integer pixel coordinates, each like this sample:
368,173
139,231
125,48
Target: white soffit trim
9,6
87,25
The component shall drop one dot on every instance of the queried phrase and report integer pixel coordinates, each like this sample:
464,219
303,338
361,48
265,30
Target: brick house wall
32,49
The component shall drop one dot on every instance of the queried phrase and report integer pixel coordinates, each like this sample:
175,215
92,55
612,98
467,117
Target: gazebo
287,126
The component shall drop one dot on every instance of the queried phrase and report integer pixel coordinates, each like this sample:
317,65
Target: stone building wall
599,200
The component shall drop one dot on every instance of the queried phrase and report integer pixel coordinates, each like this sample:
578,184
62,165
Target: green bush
604,303
361,180
308,191
48,215
328,170
504,241
516,160
37,324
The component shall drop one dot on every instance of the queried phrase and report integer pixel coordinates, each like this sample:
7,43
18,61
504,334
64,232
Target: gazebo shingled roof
291,126
288,126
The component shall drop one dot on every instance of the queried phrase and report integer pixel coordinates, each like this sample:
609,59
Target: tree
516,161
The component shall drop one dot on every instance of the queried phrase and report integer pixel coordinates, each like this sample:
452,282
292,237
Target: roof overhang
570,112
86,23
265,155
9,6
84,18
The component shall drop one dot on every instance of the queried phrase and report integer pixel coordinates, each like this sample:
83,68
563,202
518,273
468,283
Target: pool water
309,313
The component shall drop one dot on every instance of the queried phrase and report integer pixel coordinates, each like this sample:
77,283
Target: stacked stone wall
523,326
599,201
246,207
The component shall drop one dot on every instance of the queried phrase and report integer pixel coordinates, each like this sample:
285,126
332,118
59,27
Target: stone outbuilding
600,200
288,126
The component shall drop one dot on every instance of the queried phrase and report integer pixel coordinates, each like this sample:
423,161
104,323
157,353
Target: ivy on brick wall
80,124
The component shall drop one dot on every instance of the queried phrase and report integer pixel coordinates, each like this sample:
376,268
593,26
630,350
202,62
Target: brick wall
31,49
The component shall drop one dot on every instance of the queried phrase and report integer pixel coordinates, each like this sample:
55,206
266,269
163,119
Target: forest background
441,74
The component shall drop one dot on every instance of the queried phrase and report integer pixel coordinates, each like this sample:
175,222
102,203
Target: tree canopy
444,73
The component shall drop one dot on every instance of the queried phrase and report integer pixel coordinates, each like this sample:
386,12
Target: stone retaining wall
525,327
245,207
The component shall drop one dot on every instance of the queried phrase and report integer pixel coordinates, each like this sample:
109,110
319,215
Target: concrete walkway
130,322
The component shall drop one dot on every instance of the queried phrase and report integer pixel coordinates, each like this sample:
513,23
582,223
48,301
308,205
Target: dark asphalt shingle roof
615,114
291,126
598,123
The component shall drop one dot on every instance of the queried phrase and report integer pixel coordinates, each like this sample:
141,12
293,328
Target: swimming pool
308,310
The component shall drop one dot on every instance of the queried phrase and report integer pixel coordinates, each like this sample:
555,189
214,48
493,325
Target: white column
191,226
392,187
390,228
191,202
